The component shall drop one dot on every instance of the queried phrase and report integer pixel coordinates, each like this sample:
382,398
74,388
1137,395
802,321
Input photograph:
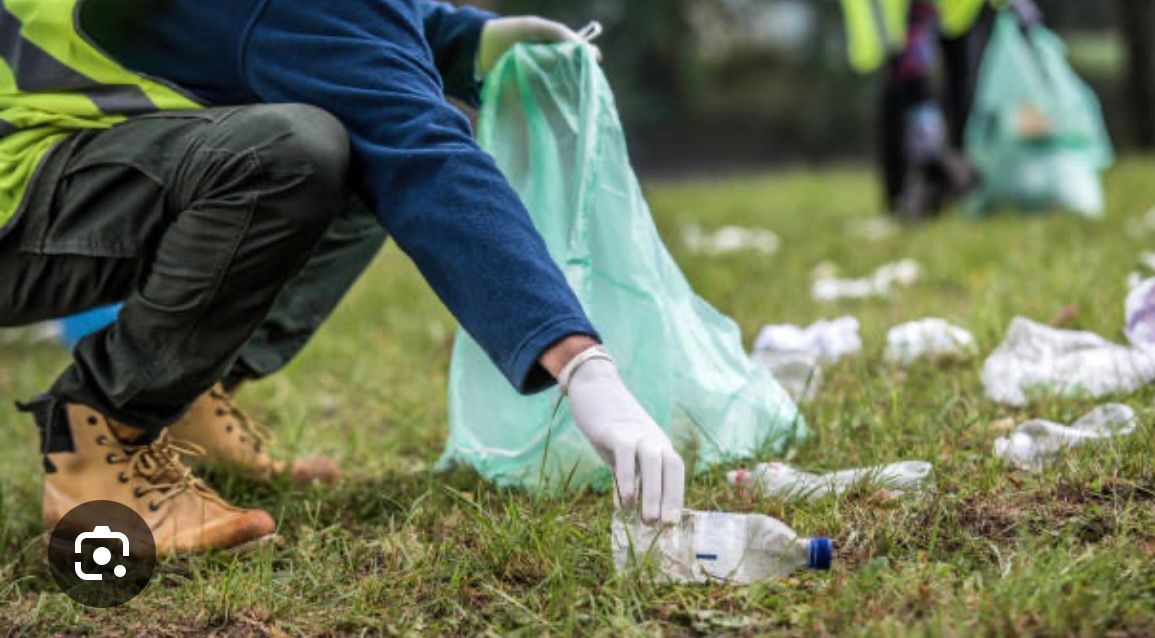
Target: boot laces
260,434
160,464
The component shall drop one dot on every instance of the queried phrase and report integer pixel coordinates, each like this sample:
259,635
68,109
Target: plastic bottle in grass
783,481
706,547
1035,443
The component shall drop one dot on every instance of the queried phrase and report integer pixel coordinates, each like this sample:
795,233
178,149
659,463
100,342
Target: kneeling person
227,231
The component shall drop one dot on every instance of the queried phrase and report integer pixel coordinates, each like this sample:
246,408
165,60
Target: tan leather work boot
185,516
235,443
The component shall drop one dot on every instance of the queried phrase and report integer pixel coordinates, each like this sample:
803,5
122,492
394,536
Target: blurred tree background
717,85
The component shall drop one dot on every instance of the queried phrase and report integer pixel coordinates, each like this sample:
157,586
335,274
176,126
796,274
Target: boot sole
273,480
252,546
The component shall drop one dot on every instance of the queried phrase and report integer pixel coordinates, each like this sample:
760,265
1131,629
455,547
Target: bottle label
719,544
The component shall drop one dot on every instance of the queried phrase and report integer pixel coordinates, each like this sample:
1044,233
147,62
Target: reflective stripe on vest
54,82
35,71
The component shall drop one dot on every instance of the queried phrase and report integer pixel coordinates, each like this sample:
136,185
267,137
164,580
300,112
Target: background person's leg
962,57
957,66
907,86
899,97
347,249
233,201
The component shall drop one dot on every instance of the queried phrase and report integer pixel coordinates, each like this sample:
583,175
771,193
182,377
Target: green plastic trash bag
1036,133
549,119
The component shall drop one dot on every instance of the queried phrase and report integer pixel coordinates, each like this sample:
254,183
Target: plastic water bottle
1035,442
782,480
716,547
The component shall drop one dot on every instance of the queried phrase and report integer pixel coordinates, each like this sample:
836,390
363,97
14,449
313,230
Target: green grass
396,549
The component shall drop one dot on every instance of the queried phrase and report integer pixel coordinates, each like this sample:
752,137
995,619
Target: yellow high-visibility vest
956,17
53,82
875,28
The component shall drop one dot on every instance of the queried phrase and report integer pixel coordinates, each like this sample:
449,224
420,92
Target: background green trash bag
549,119
1036,132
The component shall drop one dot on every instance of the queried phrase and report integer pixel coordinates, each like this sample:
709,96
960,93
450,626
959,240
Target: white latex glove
500,34
625,436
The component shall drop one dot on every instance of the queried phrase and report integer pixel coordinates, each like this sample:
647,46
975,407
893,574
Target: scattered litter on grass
828,287
1036,442
1140,313
827,341
783,481
704,547
730,239
795,355
1062,362
930,338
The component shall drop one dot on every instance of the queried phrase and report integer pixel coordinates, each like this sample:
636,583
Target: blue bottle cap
821,553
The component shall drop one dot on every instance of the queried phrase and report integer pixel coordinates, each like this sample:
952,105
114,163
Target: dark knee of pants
305,150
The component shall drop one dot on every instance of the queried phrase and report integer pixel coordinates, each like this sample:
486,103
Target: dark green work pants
227,233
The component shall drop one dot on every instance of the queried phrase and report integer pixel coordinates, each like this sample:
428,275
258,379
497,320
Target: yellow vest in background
958,16
53,82
874,28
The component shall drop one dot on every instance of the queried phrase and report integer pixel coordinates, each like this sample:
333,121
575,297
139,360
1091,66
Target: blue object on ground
79,326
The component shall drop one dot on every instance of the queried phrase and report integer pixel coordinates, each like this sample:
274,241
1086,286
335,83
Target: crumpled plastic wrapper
828,287
730,239
930,338
1035,357
1140,312
796,355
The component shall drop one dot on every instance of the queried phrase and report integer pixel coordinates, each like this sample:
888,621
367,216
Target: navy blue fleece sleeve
442,199
453,35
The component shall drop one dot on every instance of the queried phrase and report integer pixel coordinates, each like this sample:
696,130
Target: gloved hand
625,437
500,34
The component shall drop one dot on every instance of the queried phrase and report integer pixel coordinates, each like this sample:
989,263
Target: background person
921,134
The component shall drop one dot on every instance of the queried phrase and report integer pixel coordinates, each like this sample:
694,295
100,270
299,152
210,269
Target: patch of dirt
990,517
1092,509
